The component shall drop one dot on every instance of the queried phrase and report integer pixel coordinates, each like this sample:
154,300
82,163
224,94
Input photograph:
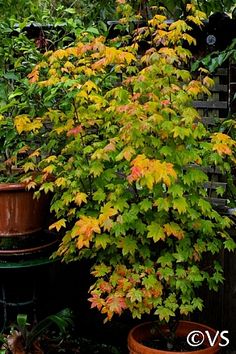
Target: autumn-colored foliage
128,153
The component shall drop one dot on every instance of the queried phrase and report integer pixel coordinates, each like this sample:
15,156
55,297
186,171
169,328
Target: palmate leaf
58,225
128,245
156,232
164,313
180,204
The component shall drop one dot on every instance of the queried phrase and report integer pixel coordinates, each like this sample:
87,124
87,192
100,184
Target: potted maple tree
129,165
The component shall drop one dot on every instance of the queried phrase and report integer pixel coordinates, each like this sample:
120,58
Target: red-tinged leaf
136,173
75,131
116,304
96,301
174,229
222,149
84,229
34,75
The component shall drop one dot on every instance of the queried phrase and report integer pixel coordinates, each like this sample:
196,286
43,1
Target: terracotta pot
145,331
20,213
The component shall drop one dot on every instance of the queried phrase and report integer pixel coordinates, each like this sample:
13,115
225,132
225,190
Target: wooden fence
220,307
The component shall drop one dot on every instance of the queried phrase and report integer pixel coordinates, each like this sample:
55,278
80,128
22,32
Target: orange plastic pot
20,213
144,332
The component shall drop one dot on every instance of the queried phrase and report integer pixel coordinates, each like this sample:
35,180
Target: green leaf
230,244
164,313
128,245
102,240
198,303
92,30
156,232
163,204
150,282
204,205
165,273
166,260
194,176
47,187
99,195
176,190
171,302
21,320
195,275
145,204
96,168
220,191
135,295
180,204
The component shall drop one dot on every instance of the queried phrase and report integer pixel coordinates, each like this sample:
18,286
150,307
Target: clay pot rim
12,186
195,326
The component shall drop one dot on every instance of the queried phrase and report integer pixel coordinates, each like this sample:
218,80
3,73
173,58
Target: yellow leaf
50,158
49,169
23,150
222,149
31,185
89,86
20,122
106,212
80,198
61,182
29,166
208,82
84,229
34,125
58,225
36,153
23,123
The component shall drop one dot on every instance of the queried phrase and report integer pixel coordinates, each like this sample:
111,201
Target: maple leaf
31,185
49,169
128,245
29,166
151,171
34,75
222,149
100,270
180,204
106,212
155,231
116,303
84,229
96,301
75,131
136,173
222,143
21,122
174,229
80,198
35,153
61,182
58,224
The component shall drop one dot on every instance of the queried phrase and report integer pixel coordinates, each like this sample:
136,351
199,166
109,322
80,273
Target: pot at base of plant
21,214
144,338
